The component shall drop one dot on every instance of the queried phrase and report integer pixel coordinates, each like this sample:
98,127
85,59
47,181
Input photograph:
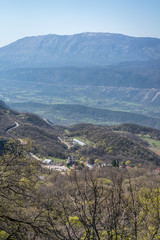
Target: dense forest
104,203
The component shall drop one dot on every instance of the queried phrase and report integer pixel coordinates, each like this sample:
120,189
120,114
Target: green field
152,142
75,95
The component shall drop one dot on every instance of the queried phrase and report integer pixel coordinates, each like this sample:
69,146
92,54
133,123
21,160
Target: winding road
11,128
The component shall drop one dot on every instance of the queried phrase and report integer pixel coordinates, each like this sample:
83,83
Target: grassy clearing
152,142
58,160
67,131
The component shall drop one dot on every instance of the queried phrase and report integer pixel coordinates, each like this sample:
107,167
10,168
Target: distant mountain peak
83,49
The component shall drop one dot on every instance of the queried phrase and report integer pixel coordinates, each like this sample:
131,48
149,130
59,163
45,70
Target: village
72,163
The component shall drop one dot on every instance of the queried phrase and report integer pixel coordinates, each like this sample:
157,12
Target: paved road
11,128
47,122
58,168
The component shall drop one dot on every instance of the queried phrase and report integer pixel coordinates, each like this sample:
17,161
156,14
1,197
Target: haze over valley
98,70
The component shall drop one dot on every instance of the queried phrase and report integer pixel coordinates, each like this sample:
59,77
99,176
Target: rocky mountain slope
85,49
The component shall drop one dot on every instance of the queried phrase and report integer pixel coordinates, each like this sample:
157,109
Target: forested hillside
29,127
89,204
103,143
69,114
135,74
111,189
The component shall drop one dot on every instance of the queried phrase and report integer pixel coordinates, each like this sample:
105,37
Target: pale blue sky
20,18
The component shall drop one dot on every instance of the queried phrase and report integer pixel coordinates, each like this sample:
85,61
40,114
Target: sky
21,18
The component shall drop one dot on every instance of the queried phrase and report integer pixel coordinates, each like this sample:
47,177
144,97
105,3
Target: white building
77,142
48,162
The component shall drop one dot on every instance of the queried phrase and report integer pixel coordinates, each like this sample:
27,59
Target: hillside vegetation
105,201
107,145
137,74
89,204
44,137
122,143
69,114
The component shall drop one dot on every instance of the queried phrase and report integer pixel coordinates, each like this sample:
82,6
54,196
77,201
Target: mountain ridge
135,74
69,114
84,49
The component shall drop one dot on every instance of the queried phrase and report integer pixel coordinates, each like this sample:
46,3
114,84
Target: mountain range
97,70
84,49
